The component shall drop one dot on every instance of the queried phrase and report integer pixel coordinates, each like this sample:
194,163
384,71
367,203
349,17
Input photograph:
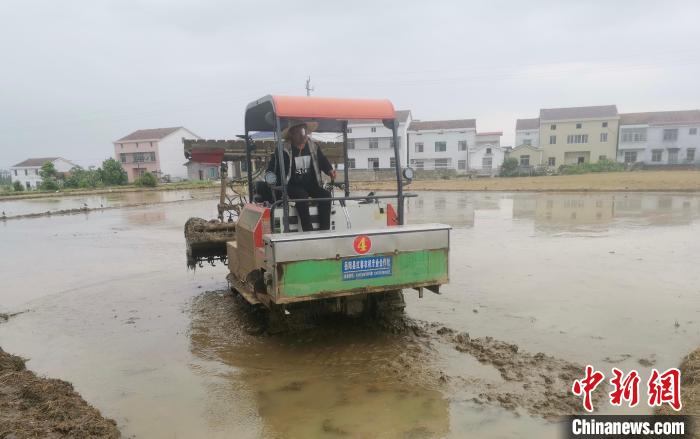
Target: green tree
17,186
83,178
112,173
49,177
509,167
147,179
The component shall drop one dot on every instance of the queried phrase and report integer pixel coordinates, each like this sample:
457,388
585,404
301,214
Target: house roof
33,162
527,124
149,134
490,133
600,111
660,117
402,115
426,125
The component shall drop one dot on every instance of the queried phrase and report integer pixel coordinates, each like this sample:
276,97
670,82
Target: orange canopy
332,108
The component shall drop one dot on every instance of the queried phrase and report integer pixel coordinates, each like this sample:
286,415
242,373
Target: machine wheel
387,305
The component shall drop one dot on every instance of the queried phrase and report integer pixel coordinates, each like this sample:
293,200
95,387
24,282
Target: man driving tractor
303,173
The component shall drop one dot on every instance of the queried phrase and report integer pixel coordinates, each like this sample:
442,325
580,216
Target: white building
157,150
453,144
662,137
370,143
527,132
487,155
27,172
441,144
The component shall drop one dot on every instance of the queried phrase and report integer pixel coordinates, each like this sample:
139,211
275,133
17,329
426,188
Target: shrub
112,173
603,165
17,186
147,179
82,178
509,168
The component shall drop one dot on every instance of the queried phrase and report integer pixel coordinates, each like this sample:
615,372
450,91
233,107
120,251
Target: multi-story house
487,155
661,137
578,135
370,143
527,132
158,151
441,144
27,172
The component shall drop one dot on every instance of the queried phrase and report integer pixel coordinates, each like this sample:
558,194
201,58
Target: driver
303,173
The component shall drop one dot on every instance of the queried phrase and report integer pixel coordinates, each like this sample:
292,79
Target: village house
660,138
370,143
27,172
158,151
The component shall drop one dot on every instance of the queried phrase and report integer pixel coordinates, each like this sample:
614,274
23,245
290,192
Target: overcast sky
77,75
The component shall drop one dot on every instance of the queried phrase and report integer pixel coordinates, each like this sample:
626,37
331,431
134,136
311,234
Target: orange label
362,244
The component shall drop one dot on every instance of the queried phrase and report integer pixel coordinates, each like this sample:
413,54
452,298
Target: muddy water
117,199
603,279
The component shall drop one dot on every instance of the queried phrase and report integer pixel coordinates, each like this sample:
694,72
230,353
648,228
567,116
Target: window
577,138
524,160
374,129
630,156
351,163
461,164
29,185
673,156
392,162
581,160
527,142
122,157
690,154
440,146
671,134
15,173
121,145
656,155
693,131
351,143
602,157
578,126
212,172
552,127
26,172
349,130
419,146
442,163
552,161
552,140
373,163
486,163
419,164
603,137
36,172
462,145
634,134
373,142
605,124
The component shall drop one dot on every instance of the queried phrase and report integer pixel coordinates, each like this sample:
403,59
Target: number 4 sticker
362,244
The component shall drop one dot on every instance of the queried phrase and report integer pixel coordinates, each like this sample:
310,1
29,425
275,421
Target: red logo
362,244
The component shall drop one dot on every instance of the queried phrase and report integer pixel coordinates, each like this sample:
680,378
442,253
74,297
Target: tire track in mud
533,384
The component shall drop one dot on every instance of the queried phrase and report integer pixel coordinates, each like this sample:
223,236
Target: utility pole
309,89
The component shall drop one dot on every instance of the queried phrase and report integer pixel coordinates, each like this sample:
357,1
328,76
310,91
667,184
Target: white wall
478,154
655,140
428,138
361,132
32,172
533,135
171,153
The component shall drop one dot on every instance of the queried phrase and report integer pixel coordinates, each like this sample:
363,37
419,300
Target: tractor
359,267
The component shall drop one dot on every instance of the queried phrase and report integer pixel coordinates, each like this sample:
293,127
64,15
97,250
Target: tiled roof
149,134
35,162
425,125
660,117
602,111
527,124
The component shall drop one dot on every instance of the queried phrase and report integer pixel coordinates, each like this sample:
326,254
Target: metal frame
389,123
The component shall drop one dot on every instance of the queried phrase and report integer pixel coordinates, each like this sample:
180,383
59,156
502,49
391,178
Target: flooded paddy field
555,280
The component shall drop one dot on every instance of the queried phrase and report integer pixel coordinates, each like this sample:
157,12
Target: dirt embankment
685,181
690,390
35,407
